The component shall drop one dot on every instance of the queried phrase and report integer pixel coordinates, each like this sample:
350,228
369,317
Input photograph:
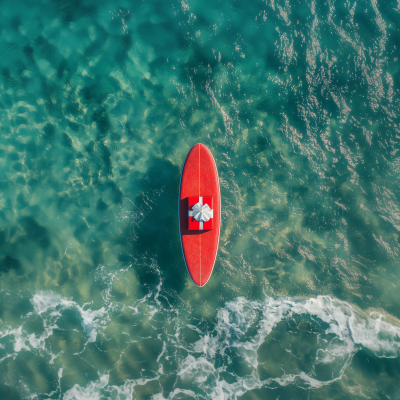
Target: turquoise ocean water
100,101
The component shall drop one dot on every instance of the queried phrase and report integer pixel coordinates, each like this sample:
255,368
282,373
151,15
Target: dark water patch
125,44
291,391
2,239
72,108
101,205
15,23
49,131
9,80
22,308
130,131
96,46
201,61
63,70
33,182
267,104
35,323
75,127
49,52
28,52
90,147
102,121
67,141
21,202
63,278
20,120
158,65
7,99
14,156
52,100
93,94
125,258
115,137
123,171
19,167
24,79
85,173
361,240
11,264
149,85
297,192
35,232
9,392
159,236
95,245
263,144
3,216
250,197
31,149
68,157
372,369
161,36
20,180
157,118
39,40
70,10
71,320
42,370
105,157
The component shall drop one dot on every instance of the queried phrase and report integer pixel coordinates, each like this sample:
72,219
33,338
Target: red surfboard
199,213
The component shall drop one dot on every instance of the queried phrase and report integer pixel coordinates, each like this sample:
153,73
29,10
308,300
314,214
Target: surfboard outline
179,215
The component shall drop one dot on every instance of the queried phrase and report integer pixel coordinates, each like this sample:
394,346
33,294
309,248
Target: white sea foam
49,306
241,328
343,331
43,301
91,392
92,320
100,389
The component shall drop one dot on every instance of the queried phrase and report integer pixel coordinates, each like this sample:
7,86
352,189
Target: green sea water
299,102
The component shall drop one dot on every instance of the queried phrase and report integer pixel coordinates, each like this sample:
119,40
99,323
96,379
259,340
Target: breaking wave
339,329
229,358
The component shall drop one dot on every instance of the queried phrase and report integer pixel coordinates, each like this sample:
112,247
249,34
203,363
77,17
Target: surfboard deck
199,178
